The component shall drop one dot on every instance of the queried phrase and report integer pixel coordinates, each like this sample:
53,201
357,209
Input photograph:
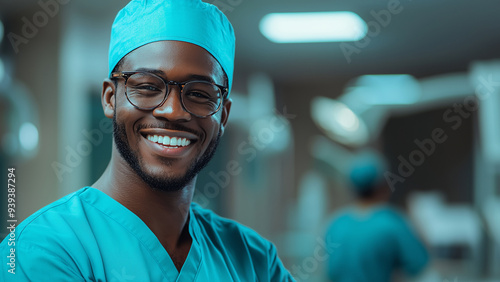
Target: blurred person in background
375,240
171,66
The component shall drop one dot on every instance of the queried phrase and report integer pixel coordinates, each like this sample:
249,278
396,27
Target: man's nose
172,108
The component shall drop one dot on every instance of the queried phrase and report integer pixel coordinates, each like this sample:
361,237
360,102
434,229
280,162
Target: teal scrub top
88,236
371,243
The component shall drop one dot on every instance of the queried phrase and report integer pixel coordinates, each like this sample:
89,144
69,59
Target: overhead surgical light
358,116
338,121
313,27
354,118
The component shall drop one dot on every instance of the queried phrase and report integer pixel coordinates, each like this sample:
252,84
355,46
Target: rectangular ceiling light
313,27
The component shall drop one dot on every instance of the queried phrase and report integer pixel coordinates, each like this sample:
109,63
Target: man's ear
108,97
226,108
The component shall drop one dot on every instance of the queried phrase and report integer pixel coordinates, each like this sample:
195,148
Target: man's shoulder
52,219
228,230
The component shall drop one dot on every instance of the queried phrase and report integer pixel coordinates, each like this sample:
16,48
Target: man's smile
169,143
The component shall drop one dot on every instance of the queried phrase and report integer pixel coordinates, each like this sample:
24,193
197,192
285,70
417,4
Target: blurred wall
36,65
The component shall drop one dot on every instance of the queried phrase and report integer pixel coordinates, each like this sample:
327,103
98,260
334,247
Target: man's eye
198,95
147,87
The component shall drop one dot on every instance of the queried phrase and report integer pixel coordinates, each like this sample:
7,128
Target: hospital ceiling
426,37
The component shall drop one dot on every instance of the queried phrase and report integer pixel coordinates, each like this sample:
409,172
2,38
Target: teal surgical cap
367,170
193,21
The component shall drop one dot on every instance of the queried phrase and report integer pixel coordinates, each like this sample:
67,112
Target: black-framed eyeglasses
147,91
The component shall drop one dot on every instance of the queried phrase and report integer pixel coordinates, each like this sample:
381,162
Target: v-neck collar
132,223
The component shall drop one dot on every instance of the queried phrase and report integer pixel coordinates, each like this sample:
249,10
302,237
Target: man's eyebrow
154,71
189,77
202,77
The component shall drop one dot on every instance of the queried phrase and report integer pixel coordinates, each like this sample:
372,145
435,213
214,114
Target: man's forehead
181,58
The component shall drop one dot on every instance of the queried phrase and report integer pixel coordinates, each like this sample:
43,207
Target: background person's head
366,174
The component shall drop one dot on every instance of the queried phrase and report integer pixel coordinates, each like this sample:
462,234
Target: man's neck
165,213
380,196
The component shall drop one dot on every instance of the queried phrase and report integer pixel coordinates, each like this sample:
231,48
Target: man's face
168,167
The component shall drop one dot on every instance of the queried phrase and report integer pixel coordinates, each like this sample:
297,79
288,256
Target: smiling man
171,67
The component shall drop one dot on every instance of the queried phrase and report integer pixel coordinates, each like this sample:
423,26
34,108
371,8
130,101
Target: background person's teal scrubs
373,242
88,236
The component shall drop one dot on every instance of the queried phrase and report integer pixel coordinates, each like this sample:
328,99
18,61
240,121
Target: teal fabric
88,236
193,21
371,244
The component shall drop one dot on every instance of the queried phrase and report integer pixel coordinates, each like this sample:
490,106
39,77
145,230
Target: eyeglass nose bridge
167,94
180,84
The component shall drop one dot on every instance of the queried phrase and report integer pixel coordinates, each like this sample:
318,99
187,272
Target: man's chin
170,183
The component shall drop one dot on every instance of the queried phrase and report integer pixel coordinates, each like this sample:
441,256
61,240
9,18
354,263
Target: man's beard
161,183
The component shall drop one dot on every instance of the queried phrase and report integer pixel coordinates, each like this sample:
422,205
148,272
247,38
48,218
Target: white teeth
169,141
173,141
